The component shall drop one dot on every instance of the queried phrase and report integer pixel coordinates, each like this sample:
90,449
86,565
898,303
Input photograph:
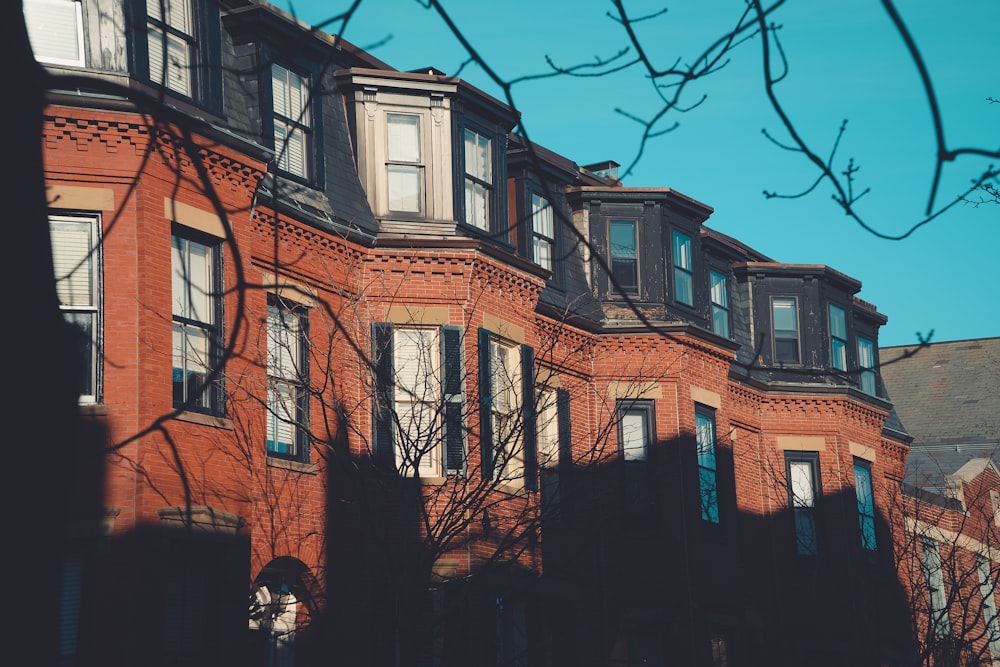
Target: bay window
683,269
785,326
866,365
624,255
720,303
404,165
542,232
838,338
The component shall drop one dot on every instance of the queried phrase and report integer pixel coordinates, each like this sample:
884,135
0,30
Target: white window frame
417,440
624,256
797,330
52,24
506,410
292,120
937,599
171,36
77,264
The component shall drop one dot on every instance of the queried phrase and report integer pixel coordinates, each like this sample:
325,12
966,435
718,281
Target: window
624,267
708,485
478,179
292,124
196,322
987,587
507,421
803,489
505,408
866,503
683,270
838,338
866,364
995,506
55,28
76,259
937,601
720,304
418,399
548,448
287,380
273,615
635,425
542,232
171,44
785,323
719,643
404,166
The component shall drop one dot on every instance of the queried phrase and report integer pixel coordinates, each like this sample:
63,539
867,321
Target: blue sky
846,62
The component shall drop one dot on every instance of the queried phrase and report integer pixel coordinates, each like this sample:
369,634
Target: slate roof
947,396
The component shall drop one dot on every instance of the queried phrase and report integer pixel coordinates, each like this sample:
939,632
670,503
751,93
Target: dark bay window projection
785,328
55,28
405,164
683,269
418,400
292,120
838,338
542,232
937,598
171,44
866,503
287,379
624,254
802,473
196,277
866,365
708,485
76,259
478,179
720,304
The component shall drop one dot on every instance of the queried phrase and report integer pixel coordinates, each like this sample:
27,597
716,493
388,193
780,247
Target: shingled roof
947,396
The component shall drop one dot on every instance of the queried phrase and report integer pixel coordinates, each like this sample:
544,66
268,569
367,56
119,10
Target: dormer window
866,364
292,120
838,338
785,327
624,255
404,164
478,179
720,304
542,232
683,269
171,44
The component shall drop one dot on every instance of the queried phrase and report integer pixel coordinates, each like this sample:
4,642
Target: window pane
720,321
785,318
73,258
477,156
801,484
476,204
55,29
683,287
404,137
682,251
282,407
404,188
720,291
633,427
838,350
838,322
542,253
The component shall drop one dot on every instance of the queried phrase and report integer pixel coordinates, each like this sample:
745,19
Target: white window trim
43,32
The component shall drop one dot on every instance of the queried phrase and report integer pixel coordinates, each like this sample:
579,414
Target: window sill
204,420
93,410
295,466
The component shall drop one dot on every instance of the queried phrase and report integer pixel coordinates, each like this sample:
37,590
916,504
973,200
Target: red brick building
414,391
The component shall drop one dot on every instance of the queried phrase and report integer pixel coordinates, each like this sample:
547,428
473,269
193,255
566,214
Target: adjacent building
368,378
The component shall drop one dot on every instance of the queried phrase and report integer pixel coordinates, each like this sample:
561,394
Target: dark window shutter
454,439
530,435
485,406
383,400
302,433
565,430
